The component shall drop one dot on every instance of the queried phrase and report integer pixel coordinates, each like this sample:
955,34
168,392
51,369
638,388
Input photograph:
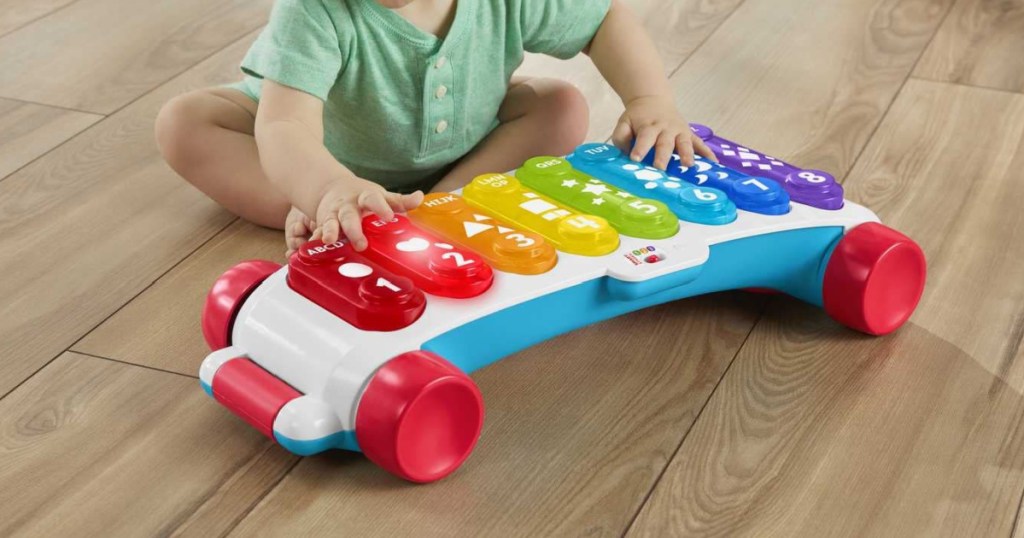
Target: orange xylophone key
505,247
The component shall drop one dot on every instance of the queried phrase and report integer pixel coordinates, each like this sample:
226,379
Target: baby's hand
342,206
298,228
655,122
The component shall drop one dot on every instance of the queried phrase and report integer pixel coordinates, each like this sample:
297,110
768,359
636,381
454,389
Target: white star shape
570,183
596,189
623,194
597,201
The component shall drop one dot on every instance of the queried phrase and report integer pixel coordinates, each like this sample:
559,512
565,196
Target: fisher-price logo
648,254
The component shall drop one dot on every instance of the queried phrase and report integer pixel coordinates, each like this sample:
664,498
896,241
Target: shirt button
441,62
442,126
442,91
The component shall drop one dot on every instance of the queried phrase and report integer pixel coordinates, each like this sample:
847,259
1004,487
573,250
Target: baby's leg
207,137
538,117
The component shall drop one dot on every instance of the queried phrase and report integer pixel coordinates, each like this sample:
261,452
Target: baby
351,107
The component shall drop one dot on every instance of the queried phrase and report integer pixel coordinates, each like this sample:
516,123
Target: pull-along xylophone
369,350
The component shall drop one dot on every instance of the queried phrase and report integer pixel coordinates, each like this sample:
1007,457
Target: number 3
521,240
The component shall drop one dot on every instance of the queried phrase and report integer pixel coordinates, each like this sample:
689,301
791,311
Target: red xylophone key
353,287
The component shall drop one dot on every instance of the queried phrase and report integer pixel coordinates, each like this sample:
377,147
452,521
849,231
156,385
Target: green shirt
402,105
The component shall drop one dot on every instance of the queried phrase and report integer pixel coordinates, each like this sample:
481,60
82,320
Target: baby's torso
406,104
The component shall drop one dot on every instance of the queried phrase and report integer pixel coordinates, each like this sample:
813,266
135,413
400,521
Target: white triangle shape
480,218
504,230
473,228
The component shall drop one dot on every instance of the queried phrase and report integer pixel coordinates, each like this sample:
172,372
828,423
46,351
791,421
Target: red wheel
420,417
874,279
226,297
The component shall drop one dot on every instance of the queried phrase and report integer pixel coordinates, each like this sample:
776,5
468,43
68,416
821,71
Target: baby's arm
629,61
289,134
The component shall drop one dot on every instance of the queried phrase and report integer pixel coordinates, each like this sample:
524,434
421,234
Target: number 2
459,260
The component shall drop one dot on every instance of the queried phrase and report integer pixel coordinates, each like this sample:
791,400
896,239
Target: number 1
385,283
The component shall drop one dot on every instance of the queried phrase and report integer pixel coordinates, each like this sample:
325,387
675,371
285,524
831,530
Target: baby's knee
176,126
568,116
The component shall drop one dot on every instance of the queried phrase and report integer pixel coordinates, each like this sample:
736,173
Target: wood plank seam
115,111
271,446
965,85
116,310
895,96
1016,518
58,107
238,521
705,40
39,18
155,369
664,469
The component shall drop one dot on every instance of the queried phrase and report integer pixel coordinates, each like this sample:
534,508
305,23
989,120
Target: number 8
811,177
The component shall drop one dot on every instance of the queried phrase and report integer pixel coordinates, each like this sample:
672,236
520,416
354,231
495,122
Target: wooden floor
727,415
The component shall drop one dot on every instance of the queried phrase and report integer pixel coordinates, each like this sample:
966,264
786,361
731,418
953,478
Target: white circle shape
354,270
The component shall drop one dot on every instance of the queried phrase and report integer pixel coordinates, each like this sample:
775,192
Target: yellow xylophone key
502,245
566,229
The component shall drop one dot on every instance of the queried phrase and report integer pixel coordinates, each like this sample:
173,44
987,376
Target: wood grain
577,429
806,80
678,28
959,196
90,447
820,432
16,13
28,130
980,44
168,312
92,224
63,60
817,431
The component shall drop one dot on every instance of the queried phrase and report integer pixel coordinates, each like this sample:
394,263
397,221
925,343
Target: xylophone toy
370,350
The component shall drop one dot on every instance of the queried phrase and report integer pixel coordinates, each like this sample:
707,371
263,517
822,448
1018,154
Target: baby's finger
374,201
317,234
684,147
330,230
352,226
644,142
663,150
622,136
702,149
404,202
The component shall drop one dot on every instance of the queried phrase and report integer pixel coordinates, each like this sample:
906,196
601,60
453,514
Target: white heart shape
416,244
